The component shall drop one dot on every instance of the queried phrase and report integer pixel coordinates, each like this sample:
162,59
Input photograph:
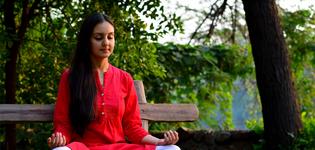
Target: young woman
97,106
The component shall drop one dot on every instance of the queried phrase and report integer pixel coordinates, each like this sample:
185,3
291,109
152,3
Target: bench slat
13,113
26,112
169,112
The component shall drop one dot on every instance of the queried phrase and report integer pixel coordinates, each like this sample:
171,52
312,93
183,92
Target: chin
105,56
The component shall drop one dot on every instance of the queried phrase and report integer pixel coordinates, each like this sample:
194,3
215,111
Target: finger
170,136
167,138
59,139
176,136
49,142
56,139
53,139
64,140
173,137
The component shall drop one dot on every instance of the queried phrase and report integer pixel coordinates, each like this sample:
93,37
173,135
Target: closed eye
111,36
98,38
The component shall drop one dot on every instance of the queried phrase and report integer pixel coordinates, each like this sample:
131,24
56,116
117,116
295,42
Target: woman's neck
101,65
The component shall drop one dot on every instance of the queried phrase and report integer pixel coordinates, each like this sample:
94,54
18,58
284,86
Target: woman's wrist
149,139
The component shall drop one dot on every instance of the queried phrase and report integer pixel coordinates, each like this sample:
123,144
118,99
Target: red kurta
117,114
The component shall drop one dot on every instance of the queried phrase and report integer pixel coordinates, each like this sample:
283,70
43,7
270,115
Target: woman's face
102,40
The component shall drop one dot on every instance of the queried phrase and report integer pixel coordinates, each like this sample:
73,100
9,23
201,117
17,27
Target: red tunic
117,115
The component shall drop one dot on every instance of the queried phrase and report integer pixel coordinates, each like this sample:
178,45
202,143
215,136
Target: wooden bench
17,113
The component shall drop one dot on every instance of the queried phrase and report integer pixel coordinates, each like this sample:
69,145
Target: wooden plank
26,112
169,112
44,112
140,91
141,100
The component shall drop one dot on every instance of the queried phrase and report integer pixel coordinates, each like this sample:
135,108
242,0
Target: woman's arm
131,121
62,126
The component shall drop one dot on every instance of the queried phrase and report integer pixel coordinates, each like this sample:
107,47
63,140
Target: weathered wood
140,91
169,112
141,100
26,113
10,113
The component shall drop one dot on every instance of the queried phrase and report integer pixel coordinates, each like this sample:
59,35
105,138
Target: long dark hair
82,83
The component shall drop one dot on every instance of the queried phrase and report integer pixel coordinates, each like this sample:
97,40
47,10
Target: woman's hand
170,138
56,140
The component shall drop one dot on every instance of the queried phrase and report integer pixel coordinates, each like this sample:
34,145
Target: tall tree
279,104
16,35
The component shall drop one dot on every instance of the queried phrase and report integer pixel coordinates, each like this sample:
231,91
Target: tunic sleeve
132,125
61,114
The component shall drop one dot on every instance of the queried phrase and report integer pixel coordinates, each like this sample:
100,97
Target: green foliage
33,136
299,30
306,138
200,75
140,60
255,125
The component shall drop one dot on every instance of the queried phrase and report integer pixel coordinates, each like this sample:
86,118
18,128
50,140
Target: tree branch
215,17
202,22
27,14
234,22
214,14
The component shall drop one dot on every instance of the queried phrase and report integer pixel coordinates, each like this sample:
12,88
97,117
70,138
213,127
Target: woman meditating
97,106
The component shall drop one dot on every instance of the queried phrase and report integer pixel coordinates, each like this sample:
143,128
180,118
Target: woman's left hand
170,138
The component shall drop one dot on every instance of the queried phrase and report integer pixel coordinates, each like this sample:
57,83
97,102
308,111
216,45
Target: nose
105,42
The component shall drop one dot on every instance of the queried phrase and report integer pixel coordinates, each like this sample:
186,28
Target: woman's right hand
56,140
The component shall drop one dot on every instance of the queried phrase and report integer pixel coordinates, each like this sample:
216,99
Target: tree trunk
279,103
10,70
15,40
10,86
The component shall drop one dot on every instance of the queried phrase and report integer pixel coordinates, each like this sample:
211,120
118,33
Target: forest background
214,70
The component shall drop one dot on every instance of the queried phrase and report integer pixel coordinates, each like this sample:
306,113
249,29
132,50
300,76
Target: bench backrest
15,113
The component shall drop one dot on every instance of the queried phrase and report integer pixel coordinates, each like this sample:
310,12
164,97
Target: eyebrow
102,33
